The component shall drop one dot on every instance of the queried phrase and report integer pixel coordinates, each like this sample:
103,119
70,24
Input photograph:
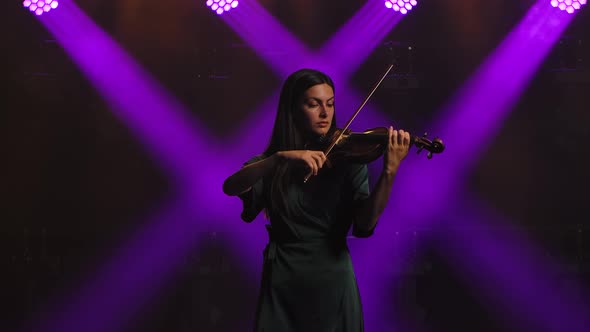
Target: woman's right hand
312,160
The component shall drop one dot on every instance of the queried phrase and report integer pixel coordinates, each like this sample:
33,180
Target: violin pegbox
434,146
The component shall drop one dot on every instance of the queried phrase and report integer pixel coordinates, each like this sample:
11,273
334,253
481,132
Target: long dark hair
288,133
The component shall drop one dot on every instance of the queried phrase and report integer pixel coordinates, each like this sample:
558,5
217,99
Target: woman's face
317,106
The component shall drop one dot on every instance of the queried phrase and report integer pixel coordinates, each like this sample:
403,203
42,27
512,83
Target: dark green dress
308,282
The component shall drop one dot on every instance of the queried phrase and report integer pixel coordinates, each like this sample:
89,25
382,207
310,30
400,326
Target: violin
365,147
369,145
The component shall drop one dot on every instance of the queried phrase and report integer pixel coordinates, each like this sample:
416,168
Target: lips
323,124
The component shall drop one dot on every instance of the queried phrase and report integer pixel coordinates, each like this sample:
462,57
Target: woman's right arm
242,180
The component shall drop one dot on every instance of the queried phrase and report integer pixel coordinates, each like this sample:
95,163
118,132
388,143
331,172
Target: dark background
74,180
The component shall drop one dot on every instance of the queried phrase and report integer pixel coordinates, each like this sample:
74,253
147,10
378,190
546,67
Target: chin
322,132
318,131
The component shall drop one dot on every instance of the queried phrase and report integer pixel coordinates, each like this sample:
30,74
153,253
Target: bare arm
242,180
370,210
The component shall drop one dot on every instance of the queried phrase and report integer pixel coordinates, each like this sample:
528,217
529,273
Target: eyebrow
319,99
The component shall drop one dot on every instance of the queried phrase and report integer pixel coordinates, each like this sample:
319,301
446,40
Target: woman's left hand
396,151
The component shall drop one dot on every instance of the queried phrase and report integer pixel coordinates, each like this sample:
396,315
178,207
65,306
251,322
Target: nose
323,111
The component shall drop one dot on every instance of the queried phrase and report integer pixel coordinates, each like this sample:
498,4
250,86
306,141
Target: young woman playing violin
308,283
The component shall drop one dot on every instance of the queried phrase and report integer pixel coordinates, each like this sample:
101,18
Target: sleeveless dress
308,283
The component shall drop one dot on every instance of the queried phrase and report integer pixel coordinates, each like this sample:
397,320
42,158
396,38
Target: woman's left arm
369,211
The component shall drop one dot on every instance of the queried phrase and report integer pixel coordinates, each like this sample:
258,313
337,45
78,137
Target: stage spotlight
222,6
402,6
40,6
569,6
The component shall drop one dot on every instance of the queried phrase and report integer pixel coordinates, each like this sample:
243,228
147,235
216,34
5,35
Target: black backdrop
74,180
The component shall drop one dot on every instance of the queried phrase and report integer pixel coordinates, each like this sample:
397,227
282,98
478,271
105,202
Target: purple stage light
221,6
402,6
569,6
40,6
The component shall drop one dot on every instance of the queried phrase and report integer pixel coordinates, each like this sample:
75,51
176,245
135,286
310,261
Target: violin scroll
434,146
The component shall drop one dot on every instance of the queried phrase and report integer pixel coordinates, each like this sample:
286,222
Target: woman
308,282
